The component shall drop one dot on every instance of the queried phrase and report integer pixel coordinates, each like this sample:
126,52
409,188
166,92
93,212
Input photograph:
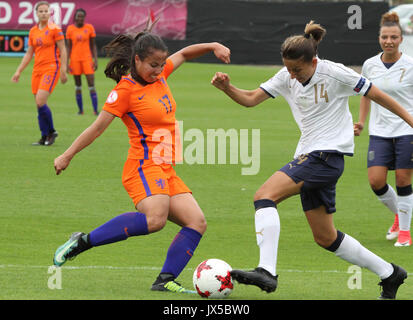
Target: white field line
137,268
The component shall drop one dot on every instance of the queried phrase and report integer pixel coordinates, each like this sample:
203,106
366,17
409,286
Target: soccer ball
212,279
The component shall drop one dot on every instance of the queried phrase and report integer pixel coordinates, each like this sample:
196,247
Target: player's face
152,66
300,70
43,13
390,39
80,19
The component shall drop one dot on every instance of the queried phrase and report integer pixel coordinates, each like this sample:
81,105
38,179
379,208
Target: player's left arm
197,50
94,49
389,103
63,58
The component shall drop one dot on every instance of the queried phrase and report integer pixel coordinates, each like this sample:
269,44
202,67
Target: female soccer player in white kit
391,139
317,92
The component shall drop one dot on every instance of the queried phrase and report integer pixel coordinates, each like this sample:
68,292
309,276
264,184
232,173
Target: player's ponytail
390,19
303,46
124,48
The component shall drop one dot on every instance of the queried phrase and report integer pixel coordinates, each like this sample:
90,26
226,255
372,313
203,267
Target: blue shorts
393,153
320,172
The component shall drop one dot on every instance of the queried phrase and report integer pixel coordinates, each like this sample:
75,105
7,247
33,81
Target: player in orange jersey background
83,57
144,102
46,42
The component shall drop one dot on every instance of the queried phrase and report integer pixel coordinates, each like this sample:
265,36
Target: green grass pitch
39,210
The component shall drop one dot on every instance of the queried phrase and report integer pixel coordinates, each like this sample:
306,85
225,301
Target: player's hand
63,77
222,53
220,81
95,64
61,163
358,127
15,77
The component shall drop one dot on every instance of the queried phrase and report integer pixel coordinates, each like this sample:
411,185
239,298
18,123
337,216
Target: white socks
405,211
352,251
389,199
267,228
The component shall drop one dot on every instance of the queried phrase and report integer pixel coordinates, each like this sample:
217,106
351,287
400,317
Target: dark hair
41,3
390,19
124,48
79,10
303,46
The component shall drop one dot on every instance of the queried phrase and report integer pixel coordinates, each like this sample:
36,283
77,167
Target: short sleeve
168,68
117,102
92,31
69,32
276,85
351,82
58,34
31,38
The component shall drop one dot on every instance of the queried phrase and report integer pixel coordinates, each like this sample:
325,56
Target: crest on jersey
112,97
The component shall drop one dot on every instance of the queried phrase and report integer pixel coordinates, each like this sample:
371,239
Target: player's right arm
25,61
364,111
246,98
83,140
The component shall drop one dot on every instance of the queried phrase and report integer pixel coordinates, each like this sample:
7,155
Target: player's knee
201,226
377,184
156,221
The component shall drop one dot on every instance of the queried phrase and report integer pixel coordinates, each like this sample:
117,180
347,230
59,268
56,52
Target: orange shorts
143,178
77,68
45,79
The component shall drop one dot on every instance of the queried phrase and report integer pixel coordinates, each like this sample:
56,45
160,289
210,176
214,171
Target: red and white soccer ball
212,279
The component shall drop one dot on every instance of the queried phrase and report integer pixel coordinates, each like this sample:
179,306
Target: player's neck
391,58
42,24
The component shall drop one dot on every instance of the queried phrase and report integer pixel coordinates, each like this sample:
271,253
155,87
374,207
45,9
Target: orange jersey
46,52
149,114
80,38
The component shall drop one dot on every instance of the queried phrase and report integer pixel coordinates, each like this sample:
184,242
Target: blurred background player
391,139
83,57
317,92
144,102
46,42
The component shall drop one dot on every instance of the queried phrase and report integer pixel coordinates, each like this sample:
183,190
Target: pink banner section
109,17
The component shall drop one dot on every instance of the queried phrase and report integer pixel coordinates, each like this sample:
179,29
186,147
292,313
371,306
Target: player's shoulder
407,59
33,30
125,85
70,27
334,71
374,60
89,26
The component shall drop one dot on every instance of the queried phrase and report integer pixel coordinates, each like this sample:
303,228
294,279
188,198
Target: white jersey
320,108
397,82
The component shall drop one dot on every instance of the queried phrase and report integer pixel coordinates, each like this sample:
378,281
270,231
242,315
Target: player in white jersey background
391,139
317,92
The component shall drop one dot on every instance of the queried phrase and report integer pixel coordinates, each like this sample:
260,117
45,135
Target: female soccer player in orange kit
83,57
46,42
144,102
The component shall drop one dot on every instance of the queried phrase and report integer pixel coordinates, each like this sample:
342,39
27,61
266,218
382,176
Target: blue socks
181,250
94,98
119,228
79,102
134,224
44,116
